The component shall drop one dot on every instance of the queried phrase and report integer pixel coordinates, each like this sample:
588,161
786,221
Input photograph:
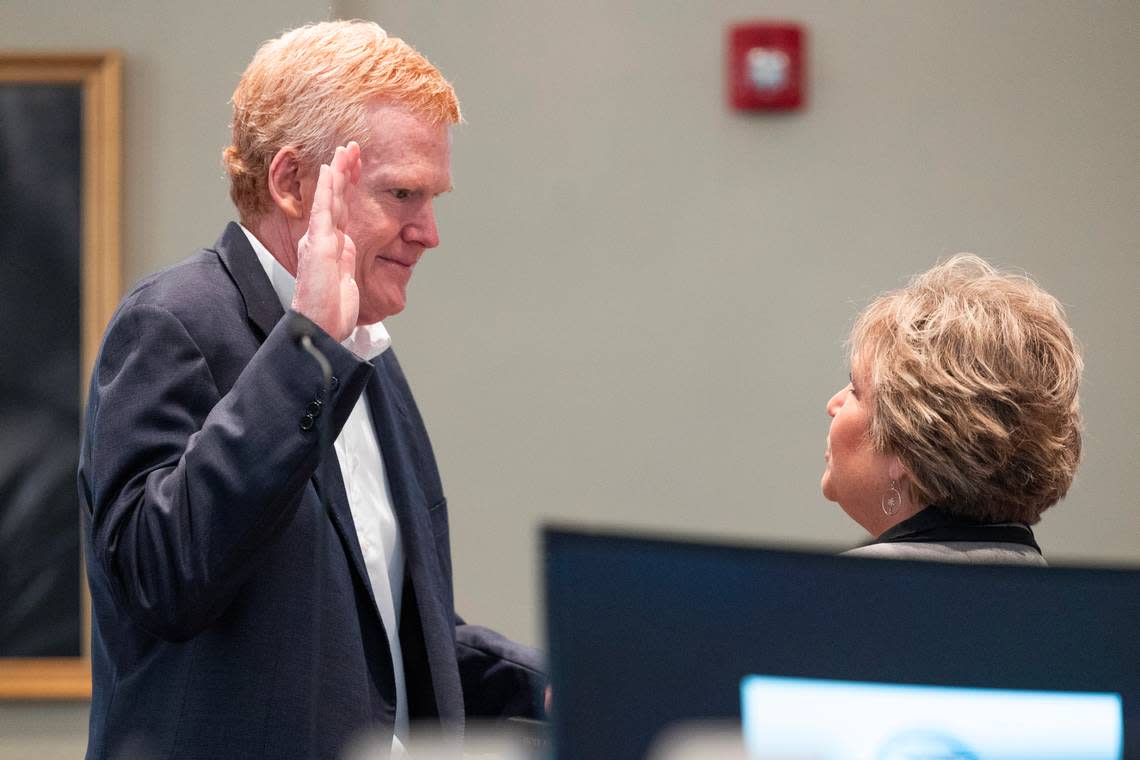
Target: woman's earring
892,499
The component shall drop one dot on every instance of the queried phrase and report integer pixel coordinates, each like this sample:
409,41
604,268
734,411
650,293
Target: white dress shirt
369,497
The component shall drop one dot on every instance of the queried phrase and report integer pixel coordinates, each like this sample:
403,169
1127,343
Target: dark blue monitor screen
644,633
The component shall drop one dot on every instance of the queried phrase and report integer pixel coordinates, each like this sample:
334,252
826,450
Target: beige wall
636,314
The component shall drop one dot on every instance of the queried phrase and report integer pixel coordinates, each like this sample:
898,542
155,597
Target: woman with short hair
961,423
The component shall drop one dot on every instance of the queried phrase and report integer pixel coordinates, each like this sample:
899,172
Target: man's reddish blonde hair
312,88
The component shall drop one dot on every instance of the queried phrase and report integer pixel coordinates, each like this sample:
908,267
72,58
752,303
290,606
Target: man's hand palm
326,287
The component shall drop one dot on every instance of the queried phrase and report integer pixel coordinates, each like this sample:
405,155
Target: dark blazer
232,615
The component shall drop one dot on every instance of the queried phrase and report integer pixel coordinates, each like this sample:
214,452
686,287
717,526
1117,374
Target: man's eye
401,194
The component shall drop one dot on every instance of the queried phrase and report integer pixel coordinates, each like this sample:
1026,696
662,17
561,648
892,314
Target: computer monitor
645,633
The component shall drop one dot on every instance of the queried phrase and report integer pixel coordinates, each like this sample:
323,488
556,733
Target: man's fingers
350,160
320,217
328,217
354,161
339,205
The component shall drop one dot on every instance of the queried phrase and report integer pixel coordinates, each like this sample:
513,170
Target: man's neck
276,234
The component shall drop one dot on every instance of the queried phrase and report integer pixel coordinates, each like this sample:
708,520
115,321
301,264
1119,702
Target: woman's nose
836,401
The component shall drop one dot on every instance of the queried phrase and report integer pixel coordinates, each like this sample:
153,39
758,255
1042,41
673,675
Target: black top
935,525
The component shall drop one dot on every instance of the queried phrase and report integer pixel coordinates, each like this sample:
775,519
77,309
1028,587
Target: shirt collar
935,524
366,341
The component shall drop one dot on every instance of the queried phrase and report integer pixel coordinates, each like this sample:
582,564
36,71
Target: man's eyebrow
398,179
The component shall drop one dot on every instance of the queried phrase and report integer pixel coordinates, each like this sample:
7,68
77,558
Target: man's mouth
403,264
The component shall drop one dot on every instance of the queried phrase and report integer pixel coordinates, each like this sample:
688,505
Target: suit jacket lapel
264,310
408,499
401,441
328,477
261,303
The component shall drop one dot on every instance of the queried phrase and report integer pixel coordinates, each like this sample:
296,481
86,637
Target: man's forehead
396,148
401,158
409,177
406,169
388,140
394,118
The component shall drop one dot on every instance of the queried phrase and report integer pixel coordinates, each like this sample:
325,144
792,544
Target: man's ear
285,183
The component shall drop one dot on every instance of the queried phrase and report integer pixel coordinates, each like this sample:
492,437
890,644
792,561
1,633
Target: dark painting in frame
60,159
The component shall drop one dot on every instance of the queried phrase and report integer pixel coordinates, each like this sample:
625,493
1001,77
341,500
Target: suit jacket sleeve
500,677
187,482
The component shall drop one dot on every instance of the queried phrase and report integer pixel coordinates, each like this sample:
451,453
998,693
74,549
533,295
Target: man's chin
370,315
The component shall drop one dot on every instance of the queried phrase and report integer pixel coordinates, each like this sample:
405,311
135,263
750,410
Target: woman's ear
898,473
896,470
285,183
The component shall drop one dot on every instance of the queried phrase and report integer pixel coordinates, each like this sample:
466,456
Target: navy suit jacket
232,615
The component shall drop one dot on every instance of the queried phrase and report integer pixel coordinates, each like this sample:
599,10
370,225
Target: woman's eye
401,194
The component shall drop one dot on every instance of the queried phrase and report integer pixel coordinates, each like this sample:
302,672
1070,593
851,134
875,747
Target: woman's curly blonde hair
312,88
974,375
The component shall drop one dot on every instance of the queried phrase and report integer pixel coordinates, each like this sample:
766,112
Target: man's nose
422,229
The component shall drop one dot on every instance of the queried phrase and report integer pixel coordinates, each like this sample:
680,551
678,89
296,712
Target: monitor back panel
644,632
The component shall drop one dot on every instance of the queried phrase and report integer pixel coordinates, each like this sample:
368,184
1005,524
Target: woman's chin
825,486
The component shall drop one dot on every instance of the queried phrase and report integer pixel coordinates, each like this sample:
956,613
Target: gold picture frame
98,76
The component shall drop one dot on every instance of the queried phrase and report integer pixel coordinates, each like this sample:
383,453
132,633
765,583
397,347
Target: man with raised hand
254,595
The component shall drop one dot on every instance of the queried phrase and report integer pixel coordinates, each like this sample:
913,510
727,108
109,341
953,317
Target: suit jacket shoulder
962,552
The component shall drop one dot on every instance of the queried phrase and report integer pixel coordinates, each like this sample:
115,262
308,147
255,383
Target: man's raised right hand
326,256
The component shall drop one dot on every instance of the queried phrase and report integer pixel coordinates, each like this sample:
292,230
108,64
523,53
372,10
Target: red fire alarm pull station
766,66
